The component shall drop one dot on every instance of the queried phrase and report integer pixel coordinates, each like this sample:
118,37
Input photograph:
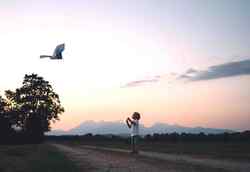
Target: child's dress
135,128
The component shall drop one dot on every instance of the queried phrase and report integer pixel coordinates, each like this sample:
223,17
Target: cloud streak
141,82
157,78
229,69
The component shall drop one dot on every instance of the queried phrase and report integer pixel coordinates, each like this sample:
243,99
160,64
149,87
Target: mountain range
119,128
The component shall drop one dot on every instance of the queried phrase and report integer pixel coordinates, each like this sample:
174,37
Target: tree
37,105
12,109
5,125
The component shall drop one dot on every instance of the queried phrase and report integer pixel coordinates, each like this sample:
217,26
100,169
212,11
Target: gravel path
95,159
214,163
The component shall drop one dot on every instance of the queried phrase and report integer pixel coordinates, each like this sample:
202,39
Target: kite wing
57,52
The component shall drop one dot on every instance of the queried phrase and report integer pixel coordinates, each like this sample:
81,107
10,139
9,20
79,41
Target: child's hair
136,115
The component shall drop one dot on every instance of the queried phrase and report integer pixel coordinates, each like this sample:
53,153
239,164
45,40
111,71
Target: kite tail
45,56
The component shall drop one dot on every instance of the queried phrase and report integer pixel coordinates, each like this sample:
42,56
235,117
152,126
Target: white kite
57,55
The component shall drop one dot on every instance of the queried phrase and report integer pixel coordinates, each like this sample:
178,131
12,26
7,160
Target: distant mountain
57,132
119,128
101,127
165,128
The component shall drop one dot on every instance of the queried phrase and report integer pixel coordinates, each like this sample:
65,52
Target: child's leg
133,144
136,138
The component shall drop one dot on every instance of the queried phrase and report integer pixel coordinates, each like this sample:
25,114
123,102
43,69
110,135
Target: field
34,158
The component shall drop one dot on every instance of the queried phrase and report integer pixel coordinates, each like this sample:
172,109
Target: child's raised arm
129,122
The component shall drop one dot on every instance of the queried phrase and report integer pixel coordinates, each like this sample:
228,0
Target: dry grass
38,158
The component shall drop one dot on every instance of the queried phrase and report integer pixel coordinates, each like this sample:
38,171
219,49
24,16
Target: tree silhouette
37,106
5,124
12,109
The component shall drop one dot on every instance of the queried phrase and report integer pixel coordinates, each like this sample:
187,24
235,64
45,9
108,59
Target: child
134,125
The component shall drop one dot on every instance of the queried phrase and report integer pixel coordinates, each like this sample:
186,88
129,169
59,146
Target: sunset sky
174,61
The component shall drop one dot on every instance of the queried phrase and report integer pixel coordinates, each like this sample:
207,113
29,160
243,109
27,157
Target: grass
38,158
233,151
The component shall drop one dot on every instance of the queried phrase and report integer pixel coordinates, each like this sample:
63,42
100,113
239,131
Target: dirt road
214,163
92,159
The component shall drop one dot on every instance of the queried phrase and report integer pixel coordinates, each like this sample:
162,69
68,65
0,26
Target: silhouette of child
134,125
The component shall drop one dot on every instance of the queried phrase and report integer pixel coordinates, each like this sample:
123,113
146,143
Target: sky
177,62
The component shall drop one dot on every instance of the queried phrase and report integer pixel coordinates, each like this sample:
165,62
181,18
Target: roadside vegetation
34,157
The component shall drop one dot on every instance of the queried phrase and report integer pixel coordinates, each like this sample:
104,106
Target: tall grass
34,158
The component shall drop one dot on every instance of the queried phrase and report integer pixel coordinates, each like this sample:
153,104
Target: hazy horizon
176,62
